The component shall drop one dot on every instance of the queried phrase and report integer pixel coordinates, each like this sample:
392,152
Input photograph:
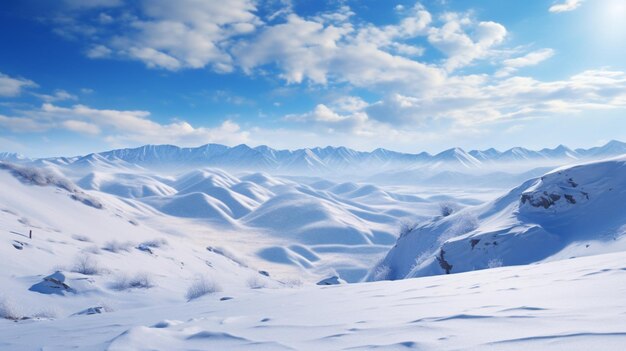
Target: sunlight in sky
612,20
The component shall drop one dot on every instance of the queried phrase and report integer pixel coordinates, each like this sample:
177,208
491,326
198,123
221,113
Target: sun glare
608,21
615,9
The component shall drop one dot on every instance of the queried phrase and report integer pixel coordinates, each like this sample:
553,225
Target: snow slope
510,308
572,211
106,255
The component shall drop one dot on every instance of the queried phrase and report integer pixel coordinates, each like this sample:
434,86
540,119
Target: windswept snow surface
571,211
578,304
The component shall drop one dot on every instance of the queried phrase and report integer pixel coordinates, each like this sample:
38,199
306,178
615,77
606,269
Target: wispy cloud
12,86
564,6
530,59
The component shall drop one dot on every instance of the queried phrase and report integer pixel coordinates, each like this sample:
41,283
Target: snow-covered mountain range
328,160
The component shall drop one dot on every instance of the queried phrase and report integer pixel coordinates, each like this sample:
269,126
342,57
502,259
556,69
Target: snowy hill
572,211
292,228
94,250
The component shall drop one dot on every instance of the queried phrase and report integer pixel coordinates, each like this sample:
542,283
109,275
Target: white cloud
120,126
474,100
12,87
57,95
564,6
89,4
99,51
349,104
327,47
462,49
81,127
22,124
331,121
303,49
153,58
530,59
185,34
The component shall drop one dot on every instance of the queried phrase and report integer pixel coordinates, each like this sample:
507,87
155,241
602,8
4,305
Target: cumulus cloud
304,49
163,34
11,86
187,33
462,49
325,47
564,6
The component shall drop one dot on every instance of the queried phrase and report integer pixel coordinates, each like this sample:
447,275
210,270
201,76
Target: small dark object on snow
91,310
265,273
334,280
226,298
474,242
144,248
443,263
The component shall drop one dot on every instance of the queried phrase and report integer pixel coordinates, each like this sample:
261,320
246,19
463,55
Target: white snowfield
123,259
571,211
578,304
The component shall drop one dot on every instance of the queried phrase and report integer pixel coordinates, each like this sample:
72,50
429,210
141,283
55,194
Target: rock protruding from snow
53,284
334,280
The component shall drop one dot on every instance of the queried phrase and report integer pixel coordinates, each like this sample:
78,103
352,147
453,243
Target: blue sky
78,76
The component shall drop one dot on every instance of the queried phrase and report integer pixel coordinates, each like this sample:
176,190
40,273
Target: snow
285,227
509,308
127,254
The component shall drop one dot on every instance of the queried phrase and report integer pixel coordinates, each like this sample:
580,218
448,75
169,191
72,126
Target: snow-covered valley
148,258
